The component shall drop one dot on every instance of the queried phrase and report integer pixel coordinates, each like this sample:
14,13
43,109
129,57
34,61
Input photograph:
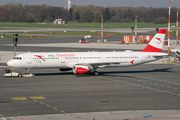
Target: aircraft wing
94,64
102,64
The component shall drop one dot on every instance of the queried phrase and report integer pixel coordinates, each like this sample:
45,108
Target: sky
103,3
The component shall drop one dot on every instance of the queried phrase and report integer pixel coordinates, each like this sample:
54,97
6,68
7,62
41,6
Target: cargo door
29,59
102,58
144,57
62,59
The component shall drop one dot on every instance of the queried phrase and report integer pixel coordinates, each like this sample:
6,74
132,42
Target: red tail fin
156,44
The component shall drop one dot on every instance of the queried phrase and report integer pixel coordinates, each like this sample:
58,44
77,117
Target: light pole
102,28
177,27
169,25
136,27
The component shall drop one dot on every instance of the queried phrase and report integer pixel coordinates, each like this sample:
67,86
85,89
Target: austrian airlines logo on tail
154,45
159,39
40,56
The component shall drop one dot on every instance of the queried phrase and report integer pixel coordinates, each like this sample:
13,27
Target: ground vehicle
9,73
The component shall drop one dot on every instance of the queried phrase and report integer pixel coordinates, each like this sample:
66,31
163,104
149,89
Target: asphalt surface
144,87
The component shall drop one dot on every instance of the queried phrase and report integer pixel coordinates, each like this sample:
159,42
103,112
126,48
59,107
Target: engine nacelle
65,69
80,69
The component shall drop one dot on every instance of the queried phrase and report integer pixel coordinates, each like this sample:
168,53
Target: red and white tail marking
156,44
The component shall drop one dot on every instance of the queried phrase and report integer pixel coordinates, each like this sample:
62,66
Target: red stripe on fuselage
132,62
150,48
39,56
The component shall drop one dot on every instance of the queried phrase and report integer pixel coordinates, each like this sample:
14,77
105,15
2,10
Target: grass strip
79,33
84,25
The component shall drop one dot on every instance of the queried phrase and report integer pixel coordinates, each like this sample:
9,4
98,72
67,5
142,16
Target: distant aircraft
84,62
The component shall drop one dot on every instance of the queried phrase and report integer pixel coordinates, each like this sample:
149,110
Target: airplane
84,62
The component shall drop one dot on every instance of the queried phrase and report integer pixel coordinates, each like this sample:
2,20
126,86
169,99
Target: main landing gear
95,73
93,70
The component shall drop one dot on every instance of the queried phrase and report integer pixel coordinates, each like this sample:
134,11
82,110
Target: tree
107,14
13,12
70,14
97,16
113,13
77,17
119,14
115,19
2,13
160,20
86,15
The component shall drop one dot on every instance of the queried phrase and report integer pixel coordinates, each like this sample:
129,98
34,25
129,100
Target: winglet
156,44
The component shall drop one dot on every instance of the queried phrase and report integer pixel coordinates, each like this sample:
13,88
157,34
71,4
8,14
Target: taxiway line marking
62,111
37,97
51,107
41,103
55,108
48,105
19,98
96,93
158,90
78,117
5,117
145,77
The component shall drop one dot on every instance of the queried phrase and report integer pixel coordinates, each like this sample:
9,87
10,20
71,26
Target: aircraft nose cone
9,63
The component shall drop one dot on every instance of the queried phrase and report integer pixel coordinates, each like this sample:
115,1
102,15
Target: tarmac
112,115
148,91
141,92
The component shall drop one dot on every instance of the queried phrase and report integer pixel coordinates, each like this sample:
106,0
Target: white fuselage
70,59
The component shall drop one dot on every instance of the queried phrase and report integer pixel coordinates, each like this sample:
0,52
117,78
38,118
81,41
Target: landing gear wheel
20,75
95,73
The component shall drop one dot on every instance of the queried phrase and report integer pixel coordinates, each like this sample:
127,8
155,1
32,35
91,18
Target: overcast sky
104,3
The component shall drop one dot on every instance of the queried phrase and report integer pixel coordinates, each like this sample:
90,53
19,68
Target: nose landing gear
27,71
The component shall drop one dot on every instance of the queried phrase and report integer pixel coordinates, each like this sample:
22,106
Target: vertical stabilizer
156,44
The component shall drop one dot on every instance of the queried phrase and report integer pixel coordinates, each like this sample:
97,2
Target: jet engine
80,69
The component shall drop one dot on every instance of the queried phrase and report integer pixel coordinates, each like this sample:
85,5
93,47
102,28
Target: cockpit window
17,58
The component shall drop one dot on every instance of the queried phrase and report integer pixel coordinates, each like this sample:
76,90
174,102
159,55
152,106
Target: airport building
59,21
